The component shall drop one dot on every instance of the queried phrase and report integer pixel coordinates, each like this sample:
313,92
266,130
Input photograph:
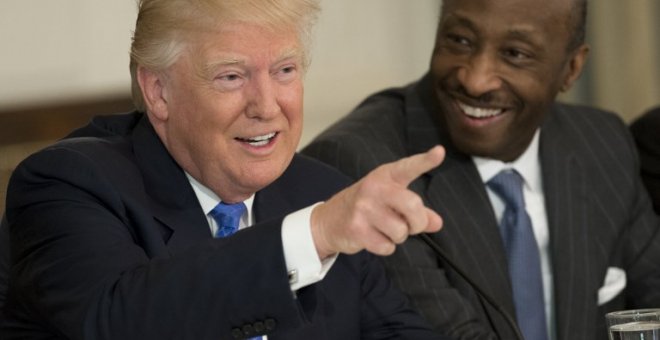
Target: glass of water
637,324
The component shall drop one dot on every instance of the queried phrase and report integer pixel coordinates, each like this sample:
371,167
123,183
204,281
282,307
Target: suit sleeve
641,254
641,250
80,269
384,305
645,131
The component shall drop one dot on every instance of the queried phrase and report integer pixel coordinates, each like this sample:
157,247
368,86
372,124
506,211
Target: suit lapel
170,196
271,202
567,204
470,236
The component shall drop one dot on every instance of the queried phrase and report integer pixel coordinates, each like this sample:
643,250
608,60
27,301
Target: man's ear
152,84
574,66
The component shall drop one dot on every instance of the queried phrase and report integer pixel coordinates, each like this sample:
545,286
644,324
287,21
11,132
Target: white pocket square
615,282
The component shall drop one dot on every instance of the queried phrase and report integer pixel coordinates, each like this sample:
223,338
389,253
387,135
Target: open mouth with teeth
259,141
478,112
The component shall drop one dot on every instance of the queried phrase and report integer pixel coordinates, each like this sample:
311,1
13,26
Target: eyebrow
457,20
521,34
524,35
287,54
211,66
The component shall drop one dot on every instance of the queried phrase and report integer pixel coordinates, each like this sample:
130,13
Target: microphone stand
442,255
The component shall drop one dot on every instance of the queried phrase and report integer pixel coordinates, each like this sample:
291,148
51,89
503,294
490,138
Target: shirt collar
208,199
527,165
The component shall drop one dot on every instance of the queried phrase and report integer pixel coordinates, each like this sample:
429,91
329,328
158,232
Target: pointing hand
379,211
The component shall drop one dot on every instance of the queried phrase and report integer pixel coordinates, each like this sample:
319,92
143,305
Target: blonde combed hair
164,27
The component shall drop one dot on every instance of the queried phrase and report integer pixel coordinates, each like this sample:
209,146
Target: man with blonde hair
111,232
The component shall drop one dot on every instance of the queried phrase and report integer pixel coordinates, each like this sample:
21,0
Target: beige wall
624,73
363,46
63,49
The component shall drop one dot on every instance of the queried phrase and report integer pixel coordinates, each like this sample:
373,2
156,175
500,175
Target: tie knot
508,186
228,217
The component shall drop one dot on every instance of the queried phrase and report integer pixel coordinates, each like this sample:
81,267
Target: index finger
409,168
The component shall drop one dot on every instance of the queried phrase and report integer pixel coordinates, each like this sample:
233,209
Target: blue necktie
228,217
523,256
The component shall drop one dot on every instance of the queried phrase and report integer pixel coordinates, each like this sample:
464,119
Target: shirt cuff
302,261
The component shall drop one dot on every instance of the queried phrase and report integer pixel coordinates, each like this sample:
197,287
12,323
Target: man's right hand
379,211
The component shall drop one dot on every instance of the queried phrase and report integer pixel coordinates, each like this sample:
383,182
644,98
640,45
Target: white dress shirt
302,260
529,167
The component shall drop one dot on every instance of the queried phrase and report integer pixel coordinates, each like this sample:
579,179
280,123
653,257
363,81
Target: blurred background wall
63,61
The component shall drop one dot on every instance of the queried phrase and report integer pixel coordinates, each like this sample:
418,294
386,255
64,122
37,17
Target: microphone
442,255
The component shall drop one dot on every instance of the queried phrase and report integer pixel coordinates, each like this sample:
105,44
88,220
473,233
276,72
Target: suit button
248,330
237,333
270,324
259,327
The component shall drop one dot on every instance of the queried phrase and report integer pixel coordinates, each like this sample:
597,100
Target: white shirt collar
528,165
208,199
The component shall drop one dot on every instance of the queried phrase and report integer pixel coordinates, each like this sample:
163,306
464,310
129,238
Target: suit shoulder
582,114
372,134
104,138
81,161
590,123
95,149
649,120
645,131
601,137
379,114
109,125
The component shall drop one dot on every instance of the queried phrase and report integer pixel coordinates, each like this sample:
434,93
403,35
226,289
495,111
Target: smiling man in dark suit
111,229
579,226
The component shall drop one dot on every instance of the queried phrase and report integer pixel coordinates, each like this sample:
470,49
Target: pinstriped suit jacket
598,213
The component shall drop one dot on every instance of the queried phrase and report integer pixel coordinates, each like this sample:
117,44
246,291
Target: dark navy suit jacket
108,241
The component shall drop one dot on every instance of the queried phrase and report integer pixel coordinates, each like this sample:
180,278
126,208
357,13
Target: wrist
321,244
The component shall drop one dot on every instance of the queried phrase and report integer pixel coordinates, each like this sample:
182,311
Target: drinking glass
637,324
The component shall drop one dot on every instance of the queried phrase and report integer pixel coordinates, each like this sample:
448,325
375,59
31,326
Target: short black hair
578,19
